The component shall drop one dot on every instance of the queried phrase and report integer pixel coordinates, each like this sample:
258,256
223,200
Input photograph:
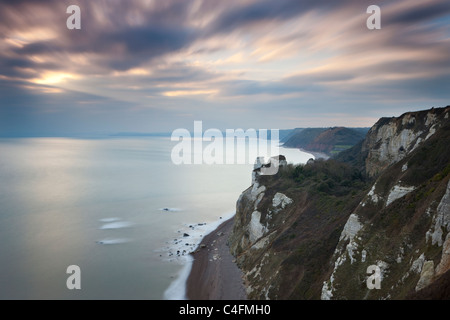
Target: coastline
214,275
316,154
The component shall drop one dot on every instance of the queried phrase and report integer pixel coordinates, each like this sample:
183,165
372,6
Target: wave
177,289
179,250
113,241
110,219
117,225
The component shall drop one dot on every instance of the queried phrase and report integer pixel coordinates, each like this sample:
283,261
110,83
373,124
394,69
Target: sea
118,209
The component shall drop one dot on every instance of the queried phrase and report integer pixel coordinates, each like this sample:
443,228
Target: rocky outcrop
280,201
444,264
427,275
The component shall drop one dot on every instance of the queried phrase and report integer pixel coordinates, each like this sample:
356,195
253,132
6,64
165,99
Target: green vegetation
339,148
329,177
304,137
327,140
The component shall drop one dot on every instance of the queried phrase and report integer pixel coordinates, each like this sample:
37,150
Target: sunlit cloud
34,35
54,78
177,93
43,89
132,72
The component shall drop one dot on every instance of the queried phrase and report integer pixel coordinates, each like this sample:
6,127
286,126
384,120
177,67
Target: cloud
258,12
118,44
420,13
153,60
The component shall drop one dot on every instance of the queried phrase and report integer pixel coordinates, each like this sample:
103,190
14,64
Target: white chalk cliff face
414,255
254,229
280,201
351,228
251,228
397,192
441,220
391,139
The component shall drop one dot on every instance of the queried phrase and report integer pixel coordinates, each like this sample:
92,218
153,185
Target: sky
154,66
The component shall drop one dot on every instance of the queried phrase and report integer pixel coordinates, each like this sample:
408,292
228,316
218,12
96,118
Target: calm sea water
97,204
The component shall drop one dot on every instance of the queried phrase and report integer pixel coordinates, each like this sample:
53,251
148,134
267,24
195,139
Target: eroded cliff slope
311,231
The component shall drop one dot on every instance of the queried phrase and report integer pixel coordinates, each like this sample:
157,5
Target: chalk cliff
311,231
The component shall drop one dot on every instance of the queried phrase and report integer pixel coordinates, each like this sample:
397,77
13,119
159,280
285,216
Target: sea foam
110,219
179,249
113,241
116,225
